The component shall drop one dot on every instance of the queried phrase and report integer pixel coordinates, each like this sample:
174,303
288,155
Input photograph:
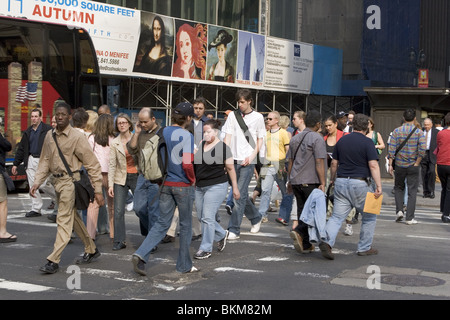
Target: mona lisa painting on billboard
155,48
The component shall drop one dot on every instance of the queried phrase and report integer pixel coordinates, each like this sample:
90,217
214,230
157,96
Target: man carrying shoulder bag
76,151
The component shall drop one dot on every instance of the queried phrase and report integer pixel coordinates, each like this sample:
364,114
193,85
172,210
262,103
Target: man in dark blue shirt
29,152
355,161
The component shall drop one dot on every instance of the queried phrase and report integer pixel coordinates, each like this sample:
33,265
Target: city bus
41,63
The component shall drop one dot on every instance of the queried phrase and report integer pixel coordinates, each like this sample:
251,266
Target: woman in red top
333,136
443,167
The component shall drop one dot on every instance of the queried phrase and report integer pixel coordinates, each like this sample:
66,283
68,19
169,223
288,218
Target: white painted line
33,223
275,259
109,274
229,269
23,287
429,238
312,275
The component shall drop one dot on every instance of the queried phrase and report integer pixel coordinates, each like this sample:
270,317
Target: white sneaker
348,230
232,236
255,228
399,216
129,207
413,221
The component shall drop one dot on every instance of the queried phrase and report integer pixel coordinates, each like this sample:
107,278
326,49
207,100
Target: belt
35,155
59,175
306,185
354,178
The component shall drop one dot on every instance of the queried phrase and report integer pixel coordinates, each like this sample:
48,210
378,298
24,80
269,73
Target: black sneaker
326,250
32,214
200,255
50,267
88,257
229,210
222,243
138,265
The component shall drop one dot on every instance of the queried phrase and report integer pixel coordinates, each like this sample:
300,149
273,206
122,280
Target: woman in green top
376,137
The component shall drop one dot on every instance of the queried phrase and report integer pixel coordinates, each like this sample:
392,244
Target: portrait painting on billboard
251,57
222,52
155,47
190,50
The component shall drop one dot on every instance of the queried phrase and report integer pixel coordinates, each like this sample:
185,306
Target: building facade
384,44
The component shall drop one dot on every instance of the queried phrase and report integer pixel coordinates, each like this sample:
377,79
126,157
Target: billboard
136,43
391,31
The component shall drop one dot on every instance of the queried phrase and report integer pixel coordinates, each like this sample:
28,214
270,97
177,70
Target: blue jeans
146,203
208,201
170,198
286,207
244,204
268,177
230,201
350,193
121,194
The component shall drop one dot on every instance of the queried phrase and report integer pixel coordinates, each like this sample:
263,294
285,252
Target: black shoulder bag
401,147
248,136
84,191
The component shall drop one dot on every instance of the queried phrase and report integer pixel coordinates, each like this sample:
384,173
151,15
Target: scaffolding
162,95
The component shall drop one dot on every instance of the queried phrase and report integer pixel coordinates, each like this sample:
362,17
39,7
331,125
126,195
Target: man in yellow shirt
277,145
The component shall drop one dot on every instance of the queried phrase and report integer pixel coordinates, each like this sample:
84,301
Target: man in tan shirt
76,149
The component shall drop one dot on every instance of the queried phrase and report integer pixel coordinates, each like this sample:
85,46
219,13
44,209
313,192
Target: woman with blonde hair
122,176
284,122
100,140
90,125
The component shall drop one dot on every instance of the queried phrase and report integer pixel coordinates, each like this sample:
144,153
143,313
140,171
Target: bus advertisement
135,43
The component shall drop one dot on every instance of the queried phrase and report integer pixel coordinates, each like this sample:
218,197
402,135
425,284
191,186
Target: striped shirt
414,148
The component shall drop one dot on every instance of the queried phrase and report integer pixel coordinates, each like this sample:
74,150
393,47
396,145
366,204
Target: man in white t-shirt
245,148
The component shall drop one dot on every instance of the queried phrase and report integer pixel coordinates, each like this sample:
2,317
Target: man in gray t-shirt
307,171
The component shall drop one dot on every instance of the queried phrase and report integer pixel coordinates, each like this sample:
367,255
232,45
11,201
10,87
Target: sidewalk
389,199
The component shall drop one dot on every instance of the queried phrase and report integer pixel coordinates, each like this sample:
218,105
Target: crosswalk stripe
23,286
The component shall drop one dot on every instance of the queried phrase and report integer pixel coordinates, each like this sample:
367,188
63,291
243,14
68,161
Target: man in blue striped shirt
407,164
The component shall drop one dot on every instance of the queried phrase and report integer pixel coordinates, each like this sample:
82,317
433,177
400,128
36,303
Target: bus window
88,64
62,61
19,44
90,94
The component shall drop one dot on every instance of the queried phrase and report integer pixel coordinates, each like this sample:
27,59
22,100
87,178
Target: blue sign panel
391,32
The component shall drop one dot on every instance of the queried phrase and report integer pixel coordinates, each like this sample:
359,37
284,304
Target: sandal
11,238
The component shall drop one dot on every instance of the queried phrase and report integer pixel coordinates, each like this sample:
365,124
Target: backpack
153,158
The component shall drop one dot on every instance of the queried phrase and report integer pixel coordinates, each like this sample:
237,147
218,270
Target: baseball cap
341,114
185,109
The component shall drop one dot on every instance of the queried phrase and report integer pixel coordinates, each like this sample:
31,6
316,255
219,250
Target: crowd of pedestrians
211,163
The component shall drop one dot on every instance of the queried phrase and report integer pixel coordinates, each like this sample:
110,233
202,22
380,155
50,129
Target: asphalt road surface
413,263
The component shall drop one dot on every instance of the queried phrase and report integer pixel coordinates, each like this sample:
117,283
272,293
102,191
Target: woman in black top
214,167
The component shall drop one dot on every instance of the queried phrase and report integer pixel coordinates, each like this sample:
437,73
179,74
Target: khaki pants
68,220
